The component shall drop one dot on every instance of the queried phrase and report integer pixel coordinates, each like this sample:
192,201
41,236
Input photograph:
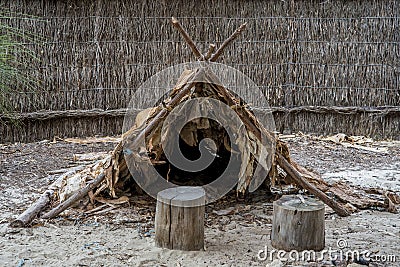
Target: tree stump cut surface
298,224
179,222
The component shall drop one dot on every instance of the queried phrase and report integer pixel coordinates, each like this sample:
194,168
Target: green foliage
15,60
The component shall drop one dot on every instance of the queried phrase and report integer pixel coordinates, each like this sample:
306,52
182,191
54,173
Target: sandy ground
125,237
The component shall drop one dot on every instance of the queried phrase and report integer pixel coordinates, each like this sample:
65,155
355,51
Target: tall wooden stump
298,224
179,222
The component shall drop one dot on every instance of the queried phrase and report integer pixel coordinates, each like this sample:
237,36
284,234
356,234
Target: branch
187,38
298,179
27,216
238,31
75,197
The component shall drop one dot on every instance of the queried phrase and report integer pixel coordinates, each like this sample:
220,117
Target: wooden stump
298,224
179,222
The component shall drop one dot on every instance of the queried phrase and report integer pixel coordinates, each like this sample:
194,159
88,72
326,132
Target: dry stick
297,177
187,38
259,133
75,197
211,49
238,31
28,215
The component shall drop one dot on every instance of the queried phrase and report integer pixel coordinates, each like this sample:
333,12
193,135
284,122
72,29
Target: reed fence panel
302,54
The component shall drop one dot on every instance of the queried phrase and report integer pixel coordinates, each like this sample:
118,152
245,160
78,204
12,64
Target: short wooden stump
298,223
179,222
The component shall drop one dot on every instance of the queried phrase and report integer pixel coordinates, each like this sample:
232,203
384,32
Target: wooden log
298,224
75,197
28,215
179,222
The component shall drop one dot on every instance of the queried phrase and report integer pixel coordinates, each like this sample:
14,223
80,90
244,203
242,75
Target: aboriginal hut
141,153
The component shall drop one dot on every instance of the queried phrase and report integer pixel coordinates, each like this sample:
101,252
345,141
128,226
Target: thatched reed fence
326,67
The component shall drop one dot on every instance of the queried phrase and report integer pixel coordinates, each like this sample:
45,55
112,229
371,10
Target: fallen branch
298,179
75,197
348,195
67,171
28,215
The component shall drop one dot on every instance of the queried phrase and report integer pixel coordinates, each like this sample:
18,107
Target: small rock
224,220
231,226
227,211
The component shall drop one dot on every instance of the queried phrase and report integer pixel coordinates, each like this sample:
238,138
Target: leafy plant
15,60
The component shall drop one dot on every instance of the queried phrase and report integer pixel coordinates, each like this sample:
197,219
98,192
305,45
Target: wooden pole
298,224
230,39
179,222
28,215
298,179
187,38
75,197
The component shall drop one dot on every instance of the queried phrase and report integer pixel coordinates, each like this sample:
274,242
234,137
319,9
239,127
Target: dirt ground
237,231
